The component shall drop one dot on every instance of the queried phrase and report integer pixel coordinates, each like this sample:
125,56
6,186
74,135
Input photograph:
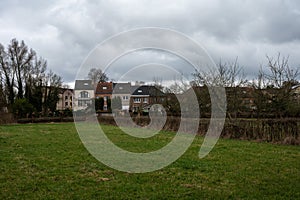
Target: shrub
22,108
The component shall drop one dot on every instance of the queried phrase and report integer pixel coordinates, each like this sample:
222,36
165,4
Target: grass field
48,161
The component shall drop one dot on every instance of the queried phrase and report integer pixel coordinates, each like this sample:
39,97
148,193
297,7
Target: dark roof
148,90
104,88
122,88
83,85
133,88
62,90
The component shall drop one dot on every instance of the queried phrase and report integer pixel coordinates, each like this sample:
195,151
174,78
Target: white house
123,91
84,94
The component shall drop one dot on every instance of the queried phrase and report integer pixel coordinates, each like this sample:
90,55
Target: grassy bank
48,161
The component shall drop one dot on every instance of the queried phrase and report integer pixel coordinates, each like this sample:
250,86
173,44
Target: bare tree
280,78
280,73
227,75
178,86
20,69
97,75
3,102
231,77
7,74
157,82
20,60
53,83
23,76
260,98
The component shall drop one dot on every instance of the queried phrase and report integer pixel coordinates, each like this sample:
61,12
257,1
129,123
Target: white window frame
137,99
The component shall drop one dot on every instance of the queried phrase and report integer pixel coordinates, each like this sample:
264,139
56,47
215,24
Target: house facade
123,91
104,90
65,101
83,94
144,96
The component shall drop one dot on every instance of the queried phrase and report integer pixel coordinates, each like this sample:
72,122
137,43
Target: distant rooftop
122,88
83,85
148,90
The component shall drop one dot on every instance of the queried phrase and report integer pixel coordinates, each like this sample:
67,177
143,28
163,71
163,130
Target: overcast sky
64,32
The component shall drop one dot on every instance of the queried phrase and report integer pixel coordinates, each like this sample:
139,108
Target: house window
140,91
84,102
86,84
145,100
125,97
84,94
66,97
71,98
104,88
66,103
137,100
105,107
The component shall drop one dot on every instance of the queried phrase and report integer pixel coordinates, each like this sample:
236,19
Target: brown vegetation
285,131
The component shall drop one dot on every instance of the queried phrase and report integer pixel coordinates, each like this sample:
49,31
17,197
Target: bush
22,108
67,113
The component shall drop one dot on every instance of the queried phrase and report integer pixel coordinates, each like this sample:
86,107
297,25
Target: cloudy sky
64,32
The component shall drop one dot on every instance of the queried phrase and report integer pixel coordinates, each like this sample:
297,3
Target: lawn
48,161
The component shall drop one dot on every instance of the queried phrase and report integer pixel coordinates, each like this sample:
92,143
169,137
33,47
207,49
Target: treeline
274,93
26,86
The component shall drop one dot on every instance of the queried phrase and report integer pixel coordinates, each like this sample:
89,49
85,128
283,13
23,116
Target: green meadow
49,161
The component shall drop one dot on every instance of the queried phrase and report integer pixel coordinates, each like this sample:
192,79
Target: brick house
104,90
144,96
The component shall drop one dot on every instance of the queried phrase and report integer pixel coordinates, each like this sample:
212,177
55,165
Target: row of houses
136,97
133,97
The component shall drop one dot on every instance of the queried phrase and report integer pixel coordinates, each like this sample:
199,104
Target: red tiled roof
104,88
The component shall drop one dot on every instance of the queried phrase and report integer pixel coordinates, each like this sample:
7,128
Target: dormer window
86,84
140,91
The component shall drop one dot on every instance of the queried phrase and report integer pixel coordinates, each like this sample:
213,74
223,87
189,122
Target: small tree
116,103
280,79
108,104
99,104
22,108
172,105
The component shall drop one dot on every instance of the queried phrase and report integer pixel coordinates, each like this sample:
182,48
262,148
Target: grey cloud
64,32
148,64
